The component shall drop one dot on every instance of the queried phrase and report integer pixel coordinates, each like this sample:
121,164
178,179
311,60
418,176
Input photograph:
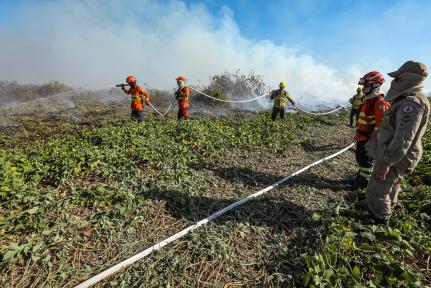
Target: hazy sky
320,48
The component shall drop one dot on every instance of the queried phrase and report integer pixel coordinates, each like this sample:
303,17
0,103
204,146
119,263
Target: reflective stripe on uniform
136,97
366,172
357,102
366,122
366,169
365,175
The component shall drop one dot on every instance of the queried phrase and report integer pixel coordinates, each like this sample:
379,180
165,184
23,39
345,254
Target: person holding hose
280,97
370,117
397,147
138,96
356,101
182,95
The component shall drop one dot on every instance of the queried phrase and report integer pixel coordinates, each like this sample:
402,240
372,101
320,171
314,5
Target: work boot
361,182
382,222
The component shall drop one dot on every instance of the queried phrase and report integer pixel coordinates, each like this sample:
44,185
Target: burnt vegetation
82,188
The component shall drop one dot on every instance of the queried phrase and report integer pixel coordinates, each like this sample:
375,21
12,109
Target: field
83,188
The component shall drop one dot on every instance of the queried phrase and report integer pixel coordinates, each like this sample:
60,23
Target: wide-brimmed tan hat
411,67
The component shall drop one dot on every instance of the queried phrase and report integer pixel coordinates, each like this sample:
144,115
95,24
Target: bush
236,86
15,92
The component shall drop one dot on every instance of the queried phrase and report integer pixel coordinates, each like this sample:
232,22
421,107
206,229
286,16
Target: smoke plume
97,43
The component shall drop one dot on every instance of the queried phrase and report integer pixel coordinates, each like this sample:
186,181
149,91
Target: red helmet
371,78
181,78
131,79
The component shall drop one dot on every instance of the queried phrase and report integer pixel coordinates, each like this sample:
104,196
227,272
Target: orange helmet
181,78
131,79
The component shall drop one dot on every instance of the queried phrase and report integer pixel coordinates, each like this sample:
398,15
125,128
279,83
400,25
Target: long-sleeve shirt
137,97
370,117
280,98
399,136
182,96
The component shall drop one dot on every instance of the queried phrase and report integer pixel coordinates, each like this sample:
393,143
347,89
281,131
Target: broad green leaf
100,189
368,235
356,273
33,210
10,254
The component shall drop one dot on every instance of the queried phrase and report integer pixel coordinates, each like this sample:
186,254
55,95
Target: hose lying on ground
257,98
318,113
229,101
114,269
157,111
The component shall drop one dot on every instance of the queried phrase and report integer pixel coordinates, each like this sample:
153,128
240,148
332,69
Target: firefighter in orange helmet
182,95
138,97
369,119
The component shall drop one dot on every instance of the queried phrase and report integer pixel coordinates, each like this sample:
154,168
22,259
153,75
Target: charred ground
79,195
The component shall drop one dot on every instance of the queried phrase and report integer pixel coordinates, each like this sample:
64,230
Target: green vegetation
77,198
113,190
357,253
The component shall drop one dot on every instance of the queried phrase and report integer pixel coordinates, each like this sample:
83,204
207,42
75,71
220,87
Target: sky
339,32
319,47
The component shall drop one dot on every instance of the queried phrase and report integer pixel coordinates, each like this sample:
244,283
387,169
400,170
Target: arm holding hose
290,98
122,87
145,96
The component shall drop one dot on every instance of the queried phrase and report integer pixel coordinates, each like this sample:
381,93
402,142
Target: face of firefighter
371,88
181,84
132,84
367,89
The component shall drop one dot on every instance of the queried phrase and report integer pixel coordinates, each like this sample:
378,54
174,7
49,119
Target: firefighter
369,119
182,95
397,147
138,97
356,101
280,97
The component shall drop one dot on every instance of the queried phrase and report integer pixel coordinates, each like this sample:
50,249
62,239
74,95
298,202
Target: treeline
226,85
15,92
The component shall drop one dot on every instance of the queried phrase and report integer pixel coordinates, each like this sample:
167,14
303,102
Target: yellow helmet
359,89
283,84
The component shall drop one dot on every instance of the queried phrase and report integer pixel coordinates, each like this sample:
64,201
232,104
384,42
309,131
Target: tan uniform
280,98
397,144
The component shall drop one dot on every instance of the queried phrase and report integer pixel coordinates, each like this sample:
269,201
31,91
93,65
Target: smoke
97,43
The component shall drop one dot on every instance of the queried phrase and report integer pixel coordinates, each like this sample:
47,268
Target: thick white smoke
97,43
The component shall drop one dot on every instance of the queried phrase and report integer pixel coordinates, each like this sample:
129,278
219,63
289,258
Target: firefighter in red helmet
369,119
139,97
